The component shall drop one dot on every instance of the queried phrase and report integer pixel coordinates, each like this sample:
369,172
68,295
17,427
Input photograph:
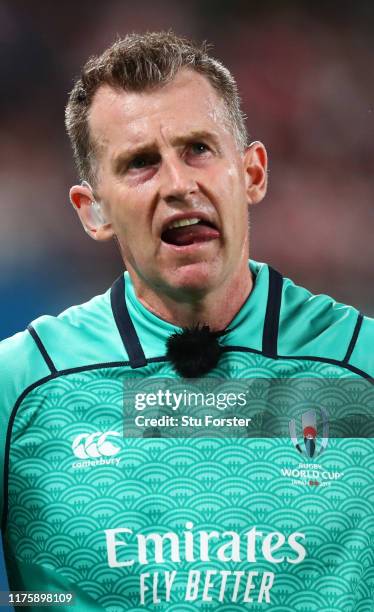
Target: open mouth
185,232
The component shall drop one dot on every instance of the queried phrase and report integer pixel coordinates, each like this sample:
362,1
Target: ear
82,200
255,166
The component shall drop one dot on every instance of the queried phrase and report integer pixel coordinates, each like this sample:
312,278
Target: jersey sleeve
362,356
318,327
21,365
82,335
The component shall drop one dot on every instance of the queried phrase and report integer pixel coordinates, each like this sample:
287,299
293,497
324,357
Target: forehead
187,103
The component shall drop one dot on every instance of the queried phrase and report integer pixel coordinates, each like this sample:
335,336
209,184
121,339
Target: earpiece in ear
95,212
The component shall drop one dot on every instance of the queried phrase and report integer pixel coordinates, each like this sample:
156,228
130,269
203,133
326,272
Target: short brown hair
136,63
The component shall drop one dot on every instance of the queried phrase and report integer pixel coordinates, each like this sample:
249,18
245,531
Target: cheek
232,180
138,206
230,186
131,226
127,213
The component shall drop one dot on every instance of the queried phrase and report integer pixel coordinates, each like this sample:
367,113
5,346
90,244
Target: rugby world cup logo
313,443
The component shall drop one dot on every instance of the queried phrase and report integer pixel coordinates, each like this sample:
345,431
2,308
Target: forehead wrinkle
209,108
125,104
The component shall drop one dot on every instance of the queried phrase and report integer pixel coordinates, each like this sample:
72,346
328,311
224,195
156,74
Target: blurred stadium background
305,72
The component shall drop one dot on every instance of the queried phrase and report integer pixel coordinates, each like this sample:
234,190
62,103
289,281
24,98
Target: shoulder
320,327
80,336
21,365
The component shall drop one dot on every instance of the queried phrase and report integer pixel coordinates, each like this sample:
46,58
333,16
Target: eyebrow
151,147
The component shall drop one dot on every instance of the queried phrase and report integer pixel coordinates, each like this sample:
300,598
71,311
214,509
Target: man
153,519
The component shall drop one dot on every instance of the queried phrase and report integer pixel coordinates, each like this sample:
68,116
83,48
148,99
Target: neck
215,308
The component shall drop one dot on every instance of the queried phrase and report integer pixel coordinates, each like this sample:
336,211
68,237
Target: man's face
165,157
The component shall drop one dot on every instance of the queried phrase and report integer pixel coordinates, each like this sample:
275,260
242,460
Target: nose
178,180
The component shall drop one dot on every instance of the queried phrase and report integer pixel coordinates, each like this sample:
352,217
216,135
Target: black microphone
194,351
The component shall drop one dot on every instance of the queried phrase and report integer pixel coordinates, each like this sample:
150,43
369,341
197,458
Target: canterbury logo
96,444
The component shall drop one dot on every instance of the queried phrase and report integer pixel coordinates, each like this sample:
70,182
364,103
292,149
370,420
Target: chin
197,278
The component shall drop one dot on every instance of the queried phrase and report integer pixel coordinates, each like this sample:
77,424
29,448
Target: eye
139,162
198,148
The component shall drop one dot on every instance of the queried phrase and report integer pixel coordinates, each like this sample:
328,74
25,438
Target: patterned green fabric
179,524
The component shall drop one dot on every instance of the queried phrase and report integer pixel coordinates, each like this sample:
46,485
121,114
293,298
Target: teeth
183,222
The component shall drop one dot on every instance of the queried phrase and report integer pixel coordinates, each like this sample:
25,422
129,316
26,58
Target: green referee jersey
275,522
